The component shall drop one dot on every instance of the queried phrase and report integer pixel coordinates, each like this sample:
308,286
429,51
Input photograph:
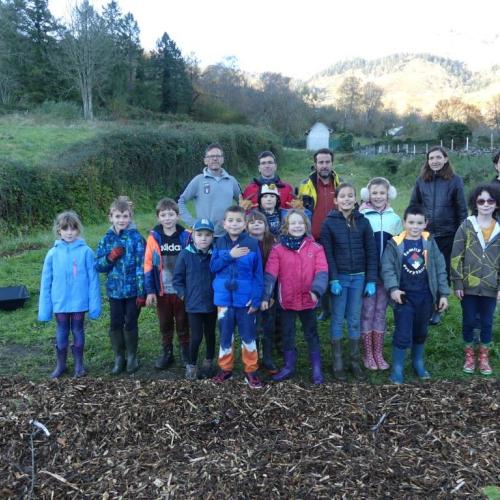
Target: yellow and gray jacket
307,189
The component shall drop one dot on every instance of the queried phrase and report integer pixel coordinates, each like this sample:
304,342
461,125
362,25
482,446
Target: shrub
142,162
345,143
392,165
63,110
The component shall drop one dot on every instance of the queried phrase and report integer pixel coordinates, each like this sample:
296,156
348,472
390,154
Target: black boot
166,359
337,363
78,357
118,345
355,352
185,354
131,341
61,355
267,358
325,308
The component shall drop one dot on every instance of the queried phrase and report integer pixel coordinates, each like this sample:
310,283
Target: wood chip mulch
161,439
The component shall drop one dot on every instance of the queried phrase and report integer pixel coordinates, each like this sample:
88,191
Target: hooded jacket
475,265
307,189
69,281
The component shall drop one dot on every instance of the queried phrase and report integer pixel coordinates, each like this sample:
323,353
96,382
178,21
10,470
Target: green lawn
26,345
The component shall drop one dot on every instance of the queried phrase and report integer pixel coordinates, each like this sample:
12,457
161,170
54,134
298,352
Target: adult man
318,195
213,191
267,169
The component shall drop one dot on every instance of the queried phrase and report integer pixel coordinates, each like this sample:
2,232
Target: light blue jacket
69,281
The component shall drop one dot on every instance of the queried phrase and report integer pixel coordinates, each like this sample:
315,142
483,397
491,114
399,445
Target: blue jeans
348,305
472,307
411,320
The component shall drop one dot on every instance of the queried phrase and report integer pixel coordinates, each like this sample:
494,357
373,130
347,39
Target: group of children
251,275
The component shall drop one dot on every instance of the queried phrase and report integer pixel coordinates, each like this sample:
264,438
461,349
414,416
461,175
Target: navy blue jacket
349,249
193,280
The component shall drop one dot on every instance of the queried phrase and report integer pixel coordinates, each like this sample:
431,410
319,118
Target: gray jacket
212,196
392,263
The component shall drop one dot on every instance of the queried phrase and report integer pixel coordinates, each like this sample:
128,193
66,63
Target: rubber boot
207,369
417,360
337,363
289,369
435,318
267,359
368,359
78,357
470,359
355,354
131,341
398,364
61,355
166,359
317,376
185,355
378,350
325,314
118,345
484,361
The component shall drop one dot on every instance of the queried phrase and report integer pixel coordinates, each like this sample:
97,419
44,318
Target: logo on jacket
206,188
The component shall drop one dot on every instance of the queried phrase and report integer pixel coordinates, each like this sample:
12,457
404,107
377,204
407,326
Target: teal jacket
392,263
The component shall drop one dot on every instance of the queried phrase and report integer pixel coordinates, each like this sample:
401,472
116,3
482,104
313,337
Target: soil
156,439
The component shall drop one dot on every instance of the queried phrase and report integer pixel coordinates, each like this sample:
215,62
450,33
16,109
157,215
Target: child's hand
115,254
251,309
396,296
140,302
314,298
151,299
459,294
238,251
264,306
443,304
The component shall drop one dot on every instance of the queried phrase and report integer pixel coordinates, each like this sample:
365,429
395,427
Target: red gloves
115,254
140,302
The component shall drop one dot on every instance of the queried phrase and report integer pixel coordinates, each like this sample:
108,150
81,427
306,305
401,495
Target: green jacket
392,263
475,265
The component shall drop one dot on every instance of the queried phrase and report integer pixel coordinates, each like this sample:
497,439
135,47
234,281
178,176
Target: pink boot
484,362
368,360
470,361
378,346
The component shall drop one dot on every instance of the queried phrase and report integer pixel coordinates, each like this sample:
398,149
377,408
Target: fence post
407,147
397,148
451,144
441,142
414,149
491,142
426,148
467,143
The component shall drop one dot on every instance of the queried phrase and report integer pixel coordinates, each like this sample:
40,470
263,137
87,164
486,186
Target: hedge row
142,162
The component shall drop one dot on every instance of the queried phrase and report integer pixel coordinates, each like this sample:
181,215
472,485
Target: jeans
66,322
308,319
411,320
348,305
472,307
229,319
202,325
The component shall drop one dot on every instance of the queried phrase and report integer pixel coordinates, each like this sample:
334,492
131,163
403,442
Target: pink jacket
298,272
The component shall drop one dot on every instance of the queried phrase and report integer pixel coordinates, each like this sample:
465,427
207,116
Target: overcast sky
301,38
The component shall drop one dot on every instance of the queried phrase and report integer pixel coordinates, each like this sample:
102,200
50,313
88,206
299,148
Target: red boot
470,360
368,359
484,362
378,348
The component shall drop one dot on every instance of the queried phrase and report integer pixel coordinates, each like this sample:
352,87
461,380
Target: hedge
142,162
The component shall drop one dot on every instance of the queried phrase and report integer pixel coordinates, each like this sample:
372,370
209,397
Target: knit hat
269,189
203,225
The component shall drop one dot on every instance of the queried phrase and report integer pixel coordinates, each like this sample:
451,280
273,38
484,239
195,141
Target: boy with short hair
238,287
163,245
414,273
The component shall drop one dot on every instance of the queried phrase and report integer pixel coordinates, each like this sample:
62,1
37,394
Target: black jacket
444,204
349,249
193,280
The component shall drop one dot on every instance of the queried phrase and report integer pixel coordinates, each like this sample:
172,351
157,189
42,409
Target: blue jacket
193,280
125,277
237,281
69,281
349,249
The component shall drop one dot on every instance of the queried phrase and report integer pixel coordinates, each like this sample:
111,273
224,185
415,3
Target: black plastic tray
13,297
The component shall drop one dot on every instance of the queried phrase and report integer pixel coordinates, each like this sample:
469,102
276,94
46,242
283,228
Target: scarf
292,242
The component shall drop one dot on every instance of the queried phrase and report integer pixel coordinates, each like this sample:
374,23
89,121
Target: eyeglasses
213,157
262,163
489,201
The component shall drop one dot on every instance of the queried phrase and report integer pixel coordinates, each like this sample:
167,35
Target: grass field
26,346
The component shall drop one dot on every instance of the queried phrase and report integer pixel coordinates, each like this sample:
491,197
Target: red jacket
252,192
298,272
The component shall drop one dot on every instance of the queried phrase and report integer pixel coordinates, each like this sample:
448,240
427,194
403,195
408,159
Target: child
414,272
441,192
69,287
352,262
238,282
475,272
385,224
299,265
120,254
193,284
163,246
266,320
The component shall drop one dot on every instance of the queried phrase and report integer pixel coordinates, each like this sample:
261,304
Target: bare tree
349,97
493,112
87,52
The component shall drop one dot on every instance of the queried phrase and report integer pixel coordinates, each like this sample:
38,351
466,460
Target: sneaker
191,372
206,370
253,380
222,377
